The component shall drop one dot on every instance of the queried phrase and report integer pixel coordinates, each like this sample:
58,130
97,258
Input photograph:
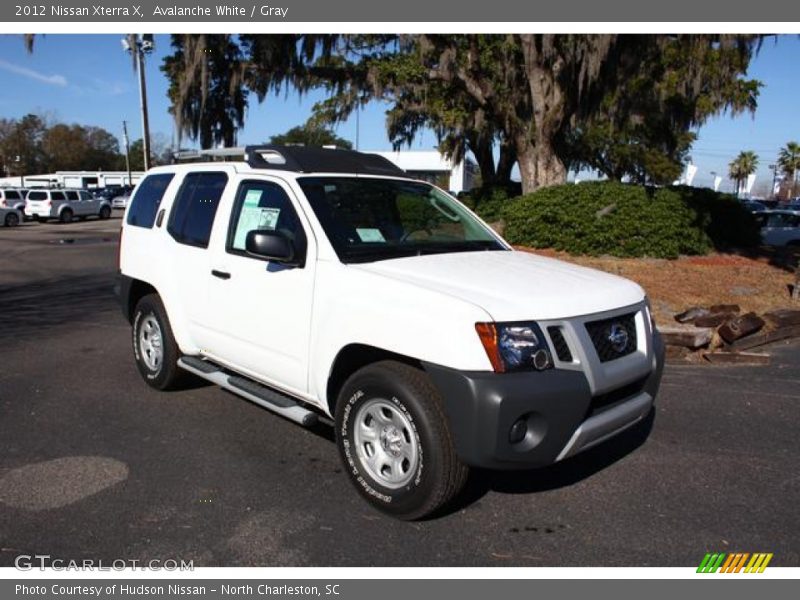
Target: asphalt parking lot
94,464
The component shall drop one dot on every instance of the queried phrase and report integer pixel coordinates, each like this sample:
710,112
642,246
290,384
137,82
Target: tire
12,219
104,213
392,413
159,372
65,216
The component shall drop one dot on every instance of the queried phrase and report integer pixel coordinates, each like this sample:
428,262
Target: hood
513,285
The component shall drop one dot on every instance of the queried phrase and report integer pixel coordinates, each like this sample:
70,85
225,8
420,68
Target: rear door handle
220,274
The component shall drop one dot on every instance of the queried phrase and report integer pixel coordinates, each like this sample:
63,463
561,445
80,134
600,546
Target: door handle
220,274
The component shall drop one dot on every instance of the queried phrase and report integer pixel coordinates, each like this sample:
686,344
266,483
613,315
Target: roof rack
303,159
308,159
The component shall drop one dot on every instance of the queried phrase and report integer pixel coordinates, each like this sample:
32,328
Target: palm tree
789,162
741,167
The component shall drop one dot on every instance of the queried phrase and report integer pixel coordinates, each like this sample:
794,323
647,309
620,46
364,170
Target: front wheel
12,219
154,347
395,442
105,213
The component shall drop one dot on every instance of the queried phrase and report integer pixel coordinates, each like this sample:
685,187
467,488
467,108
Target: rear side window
147,200
195,206
72,195
57,195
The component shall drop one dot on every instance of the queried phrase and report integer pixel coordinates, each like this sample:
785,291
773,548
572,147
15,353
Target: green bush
622,220
488,202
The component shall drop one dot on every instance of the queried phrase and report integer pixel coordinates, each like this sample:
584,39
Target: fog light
518,431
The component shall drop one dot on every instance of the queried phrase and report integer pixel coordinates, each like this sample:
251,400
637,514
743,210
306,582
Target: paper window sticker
370,234
268,218
252,197
248,221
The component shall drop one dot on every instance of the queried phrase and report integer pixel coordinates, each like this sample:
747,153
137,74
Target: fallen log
783,317
714,320
740,327
765,337
691,314
688,338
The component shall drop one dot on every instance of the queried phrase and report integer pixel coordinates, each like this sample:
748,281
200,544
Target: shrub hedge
623,220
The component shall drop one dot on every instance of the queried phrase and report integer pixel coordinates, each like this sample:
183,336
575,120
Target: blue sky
88,79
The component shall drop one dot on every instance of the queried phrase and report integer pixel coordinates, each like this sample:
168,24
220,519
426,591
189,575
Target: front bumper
562,415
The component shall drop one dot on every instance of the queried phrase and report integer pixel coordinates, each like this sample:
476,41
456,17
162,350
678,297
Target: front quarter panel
352,306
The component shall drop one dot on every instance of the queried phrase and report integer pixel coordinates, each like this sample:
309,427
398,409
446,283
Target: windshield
375,219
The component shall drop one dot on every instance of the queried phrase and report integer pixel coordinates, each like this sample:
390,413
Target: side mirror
272,245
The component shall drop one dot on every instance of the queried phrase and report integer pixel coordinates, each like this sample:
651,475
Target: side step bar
270,399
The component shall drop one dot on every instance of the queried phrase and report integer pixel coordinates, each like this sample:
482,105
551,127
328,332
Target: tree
207,88
670,85
22,147
75,147
311,134
789,163
536,96
741,167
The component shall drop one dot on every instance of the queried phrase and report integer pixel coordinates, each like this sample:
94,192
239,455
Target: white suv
328,284
13,198
65,205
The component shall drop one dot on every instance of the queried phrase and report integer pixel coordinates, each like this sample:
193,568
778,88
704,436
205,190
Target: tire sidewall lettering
352,459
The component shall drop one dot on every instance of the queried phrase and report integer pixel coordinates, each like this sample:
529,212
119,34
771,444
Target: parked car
121,201
328,283
754,206
780,227
10,217
13,198
65,205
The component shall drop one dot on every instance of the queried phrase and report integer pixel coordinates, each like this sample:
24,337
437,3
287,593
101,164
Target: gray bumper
562,414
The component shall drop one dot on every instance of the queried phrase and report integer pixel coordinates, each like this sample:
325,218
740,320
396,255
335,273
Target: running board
268,398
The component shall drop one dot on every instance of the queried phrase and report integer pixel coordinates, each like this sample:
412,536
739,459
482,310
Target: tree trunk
538,163
505,164
482,150
539,166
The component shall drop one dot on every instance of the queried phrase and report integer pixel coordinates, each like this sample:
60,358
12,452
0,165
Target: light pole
127,151
139,45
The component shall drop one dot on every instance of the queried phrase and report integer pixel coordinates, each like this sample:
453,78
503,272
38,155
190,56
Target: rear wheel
65,216
105,212
12,219
154,346
395,443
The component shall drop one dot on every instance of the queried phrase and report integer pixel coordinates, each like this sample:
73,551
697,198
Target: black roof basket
307,159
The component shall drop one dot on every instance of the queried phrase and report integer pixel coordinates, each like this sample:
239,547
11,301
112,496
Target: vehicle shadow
559,475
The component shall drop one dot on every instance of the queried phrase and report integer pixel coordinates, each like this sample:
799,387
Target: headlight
514,346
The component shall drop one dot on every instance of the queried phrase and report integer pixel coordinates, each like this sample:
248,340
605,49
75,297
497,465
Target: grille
601,334
559,344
